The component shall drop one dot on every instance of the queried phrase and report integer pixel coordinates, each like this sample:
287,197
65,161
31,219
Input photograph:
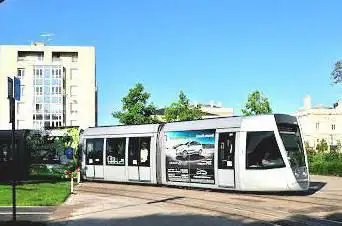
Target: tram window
262,151
94,151
226,149
115,151
139,151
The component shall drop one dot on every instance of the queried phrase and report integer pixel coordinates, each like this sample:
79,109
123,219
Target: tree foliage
309,150
336,74
182,110
136,109
43,146
256,104
322,146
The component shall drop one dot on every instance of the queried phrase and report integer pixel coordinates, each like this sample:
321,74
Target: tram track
231,208
307,200
228,215
321,201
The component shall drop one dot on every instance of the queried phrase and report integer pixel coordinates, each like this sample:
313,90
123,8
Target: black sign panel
10,87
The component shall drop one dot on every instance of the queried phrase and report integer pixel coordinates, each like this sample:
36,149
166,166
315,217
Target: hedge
325,163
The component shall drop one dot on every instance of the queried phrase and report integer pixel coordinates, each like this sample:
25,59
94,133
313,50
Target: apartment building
58,85
320,122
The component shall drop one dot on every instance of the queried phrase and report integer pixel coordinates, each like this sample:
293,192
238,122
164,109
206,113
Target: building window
40,56
74,57
39,108
56,57
333,127
46,124
263,151
56,90
48,96
317,125
39,90
21,73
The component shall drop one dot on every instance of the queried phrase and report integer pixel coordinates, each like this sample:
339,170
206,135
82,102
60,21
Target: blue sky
212,50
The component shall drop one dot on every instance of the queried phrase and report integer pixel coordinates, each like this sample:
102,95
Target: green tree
136,109
336,74
338,146
322,146
309,149
182,110
256,104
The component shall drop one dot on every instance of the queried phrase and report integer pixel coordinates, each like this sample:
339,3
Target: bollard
72,184
78,176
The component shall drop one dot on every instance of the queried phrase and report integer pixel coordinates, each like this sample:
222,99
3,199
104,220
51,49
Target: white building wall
317,123
85,81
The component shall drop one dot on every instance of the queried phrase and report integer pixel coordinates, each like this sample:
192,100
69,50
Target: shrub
329,163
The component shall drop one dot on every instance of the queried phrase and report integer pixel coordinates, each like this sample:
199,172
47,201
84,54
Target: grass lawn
36,193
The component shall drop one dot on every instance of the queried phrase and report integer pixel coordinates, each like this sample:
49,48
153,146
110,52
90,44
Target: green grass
36,193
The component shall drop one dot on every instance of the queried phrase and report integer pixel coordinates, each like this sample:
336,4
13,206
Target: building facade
320,122
214,110
211,110
58,86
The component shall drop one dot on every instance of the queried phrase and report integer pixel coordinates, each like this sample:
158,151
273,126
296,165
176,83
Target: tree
322,146
257,104
136,109
182,111
339,146
308,149
336,74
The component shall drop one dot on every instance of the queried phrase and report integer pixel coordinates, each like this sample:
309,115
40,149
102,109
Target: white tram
254,153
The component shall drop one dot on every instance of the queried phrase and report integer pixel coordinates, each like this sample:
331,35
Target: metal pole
14,160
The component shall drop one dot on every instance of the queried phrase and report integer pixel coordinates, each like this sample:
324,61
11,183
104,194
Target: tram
245,153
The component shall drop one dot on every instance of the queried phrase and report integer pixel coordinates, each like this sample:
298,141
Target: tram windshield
290,135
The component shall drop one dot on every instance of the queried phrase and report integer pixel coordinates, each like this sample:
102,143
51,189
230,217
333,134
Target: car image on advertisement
189,148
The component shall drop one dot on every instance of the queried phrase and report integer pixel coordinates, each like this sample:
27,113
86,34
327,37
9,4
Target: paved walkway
122,204
27,213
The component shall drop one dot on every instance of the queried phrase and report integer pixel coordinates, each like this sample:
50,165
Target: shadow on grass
36,180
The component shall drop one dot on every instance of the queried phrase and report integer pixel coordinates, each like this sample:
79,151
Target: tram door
94,158
139,149
226,161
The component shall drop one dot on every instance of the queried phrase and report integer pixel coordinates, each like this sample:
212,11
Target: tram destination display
190,156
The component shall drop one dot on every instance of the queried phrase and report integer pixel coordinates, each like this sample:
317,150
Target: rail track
259,208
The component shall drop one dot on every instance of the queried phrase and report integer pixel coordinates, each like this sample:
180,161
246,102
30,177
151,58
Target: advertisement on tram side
190,156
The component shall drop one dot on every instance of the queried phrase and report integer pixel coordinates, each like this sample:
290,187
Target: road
122,204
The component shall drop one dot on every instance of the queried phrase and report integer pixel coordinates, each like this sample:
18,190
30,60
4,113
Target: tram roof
208,123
